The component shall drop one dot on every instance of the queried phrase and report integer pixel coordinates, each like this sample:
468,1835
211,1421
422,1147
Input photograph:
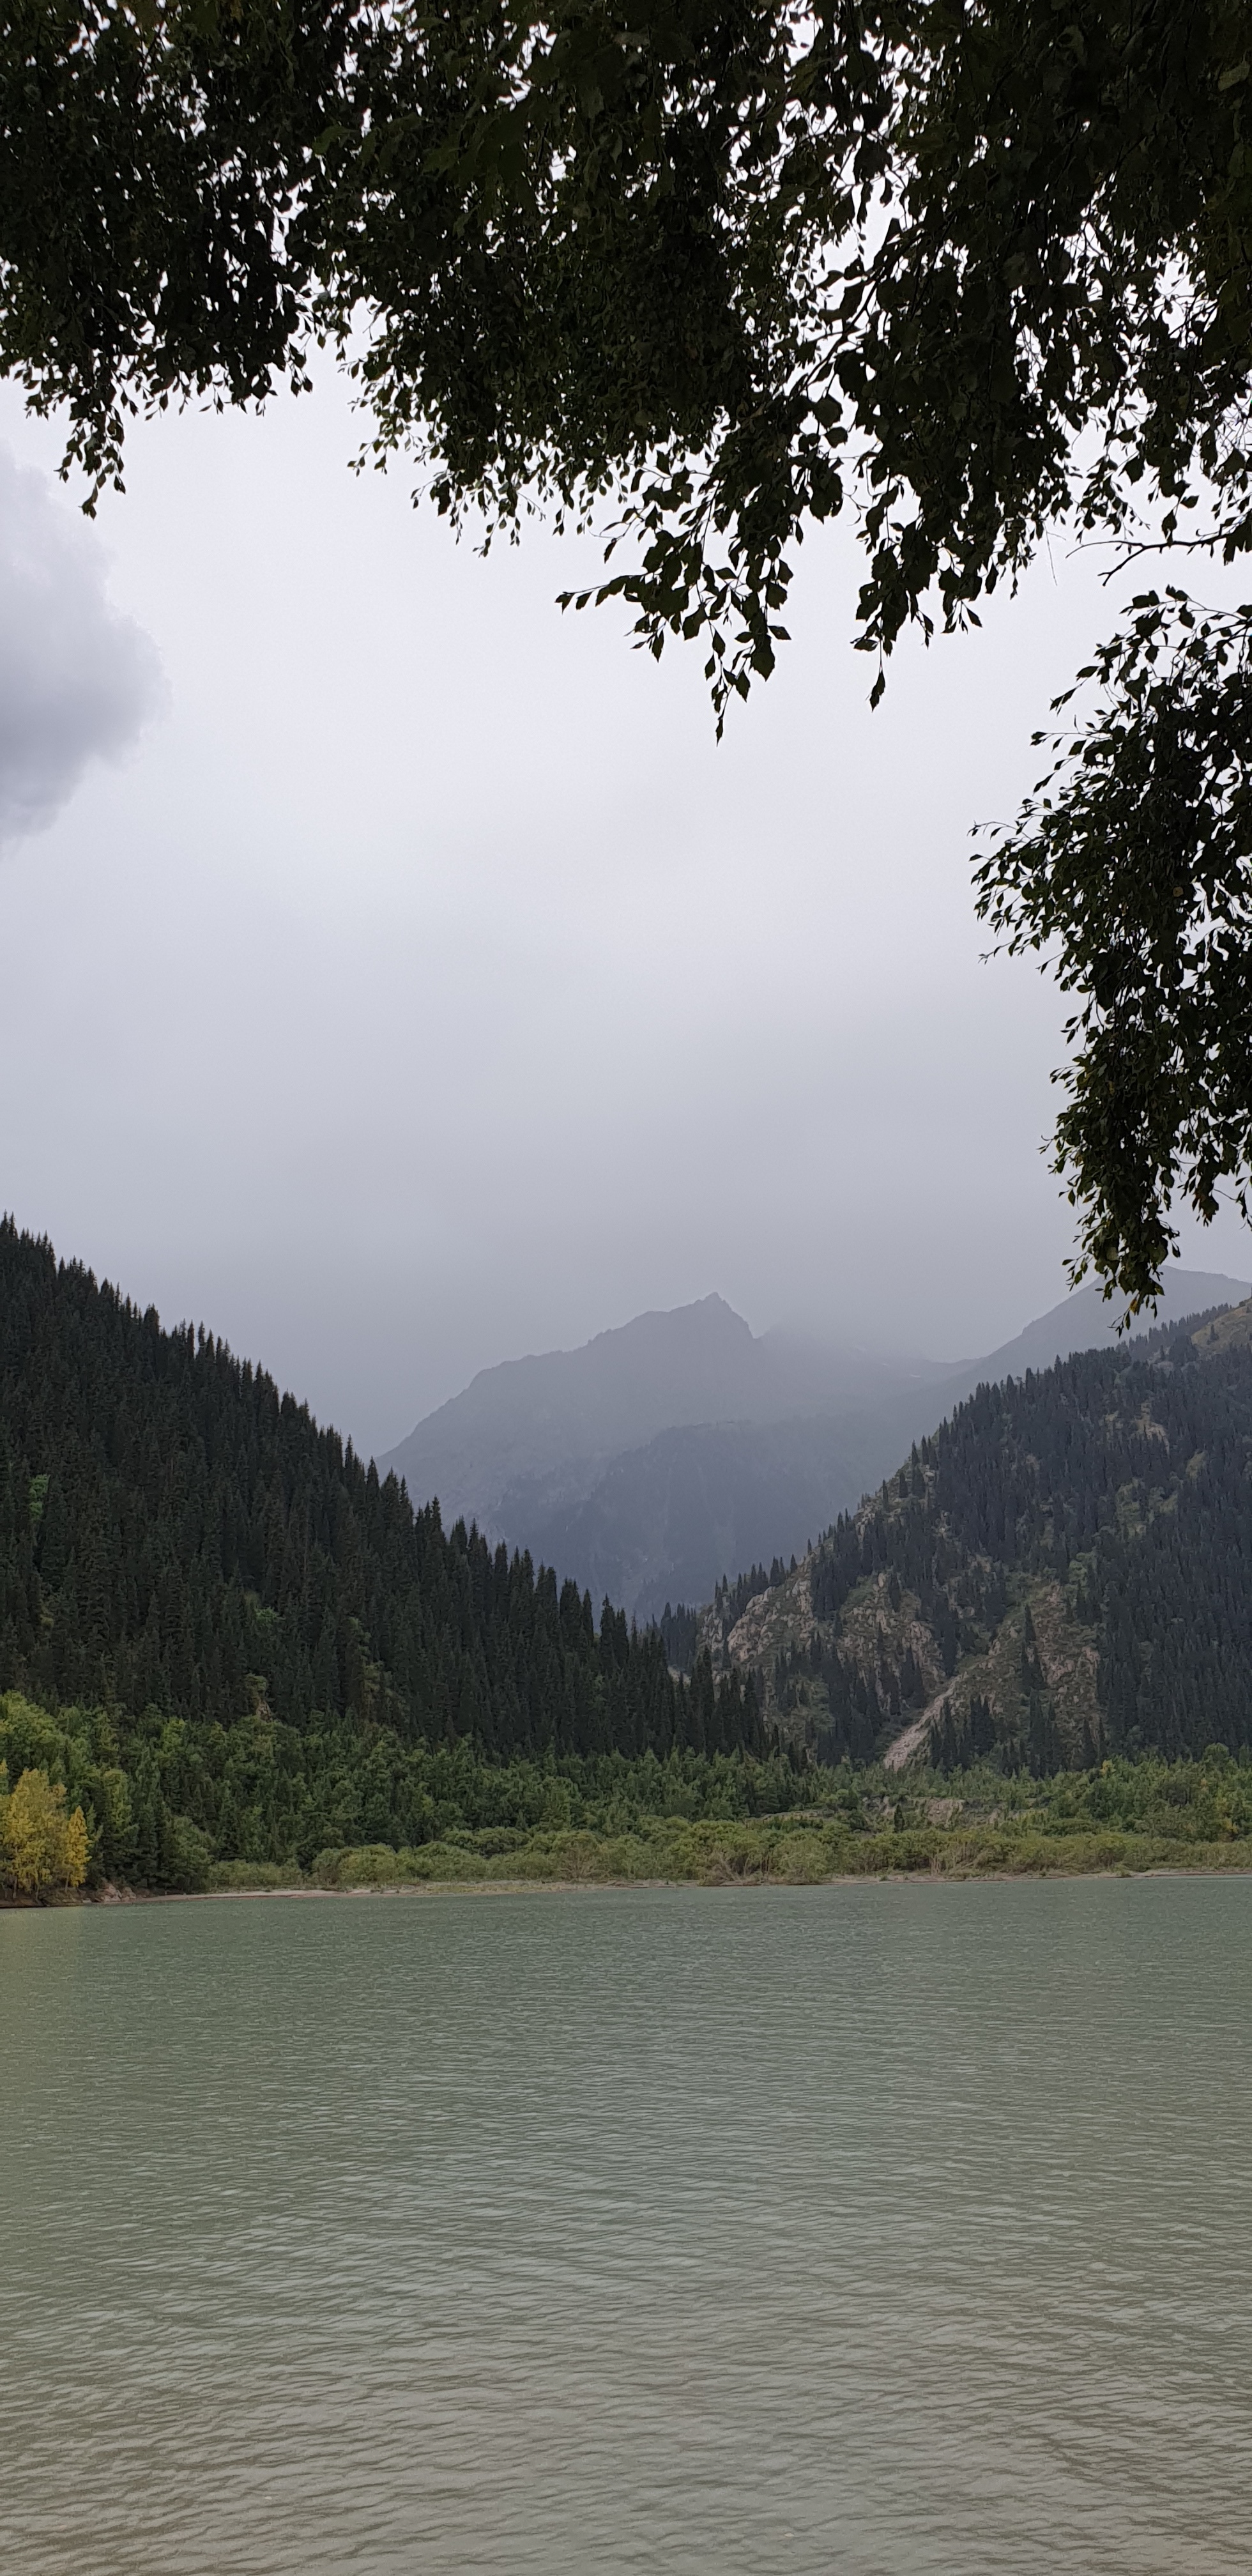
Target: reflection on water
876,2230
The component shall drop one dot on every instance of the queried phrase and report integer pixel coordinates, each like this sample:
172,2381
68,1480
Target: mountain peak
678,1446
555,1413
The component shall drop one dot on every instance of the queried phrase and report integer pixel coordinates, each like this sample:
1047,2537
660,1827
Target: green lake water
889,2230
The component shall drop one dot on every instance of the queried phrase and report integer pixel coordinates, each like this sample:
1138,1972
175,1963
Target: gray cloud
433,989
77,680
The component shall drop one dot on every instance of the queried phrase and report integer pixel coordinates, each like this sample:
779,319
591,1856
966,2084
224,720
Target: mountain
256,1634
662,1522
233,1646
1087,1319
663,1455
526,1442
1063,1570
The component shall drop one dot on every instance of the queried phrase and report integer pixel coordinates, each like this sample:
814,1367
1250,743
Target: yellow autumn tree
41,1847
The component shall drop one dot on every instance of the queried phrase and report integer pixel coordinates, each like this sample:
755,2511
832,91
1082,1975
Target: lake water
878,2229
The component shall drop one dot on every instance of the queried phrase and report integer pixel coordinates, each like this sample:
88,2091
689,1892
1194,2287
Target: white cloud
77,680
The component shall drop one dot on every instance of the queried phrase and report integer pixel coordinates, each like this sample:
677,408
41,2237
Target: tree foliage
1131,865
706,271
42,1848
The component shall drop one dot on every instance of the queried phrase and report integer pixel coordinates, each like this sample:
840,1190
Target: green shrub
221,1876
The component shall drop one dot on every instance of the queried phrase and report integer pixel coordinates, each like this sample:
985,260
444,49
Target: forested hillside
184,1553
1063,1571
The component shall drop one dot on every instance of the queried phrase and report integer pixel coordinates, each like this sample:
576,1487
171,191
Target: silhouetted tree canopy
705,271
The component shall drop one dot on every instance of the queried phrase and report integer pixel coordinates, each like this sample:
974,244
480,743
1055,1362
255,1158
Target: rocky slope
1063,1569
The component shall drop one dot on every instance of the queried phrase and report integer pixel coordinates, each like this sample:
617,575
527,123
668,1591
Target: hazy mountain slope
530,1421
1064,1568
662,1523
528,1439
667,1520
1088,1319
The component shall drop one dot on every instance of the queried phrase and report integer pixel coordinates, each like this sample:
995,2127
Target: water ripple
883,2230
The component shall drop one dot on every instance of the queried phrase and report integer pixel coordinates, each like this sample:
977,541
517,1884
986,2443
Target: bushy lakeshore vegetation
170,1808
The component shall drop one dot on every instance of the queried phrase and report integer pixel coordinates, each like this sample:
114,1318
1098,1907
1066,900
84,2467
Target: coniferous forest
1061,1573
272,1644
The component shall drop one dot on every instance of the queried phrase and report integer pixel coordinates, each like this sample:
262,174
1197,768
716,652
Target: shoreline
102,1900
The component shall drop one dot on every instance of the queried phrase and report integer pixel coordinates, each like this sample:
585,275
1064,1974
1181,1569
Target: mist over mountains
681,1447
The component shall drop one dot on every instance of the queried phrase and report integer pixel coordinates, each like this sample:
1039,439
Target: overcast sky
399,977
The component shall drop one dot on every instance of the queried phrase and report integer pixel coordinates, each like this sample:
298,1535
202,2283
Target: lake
887,2230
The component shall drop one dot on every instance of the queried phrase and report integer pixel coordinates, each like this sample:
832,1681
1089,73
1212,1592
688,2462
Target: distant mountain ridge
681,1447
531,1436
1087,1319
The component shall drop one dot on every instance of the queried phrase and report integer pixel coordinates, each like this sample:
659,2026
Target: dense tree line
178,1536
1119,1475
164,1801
